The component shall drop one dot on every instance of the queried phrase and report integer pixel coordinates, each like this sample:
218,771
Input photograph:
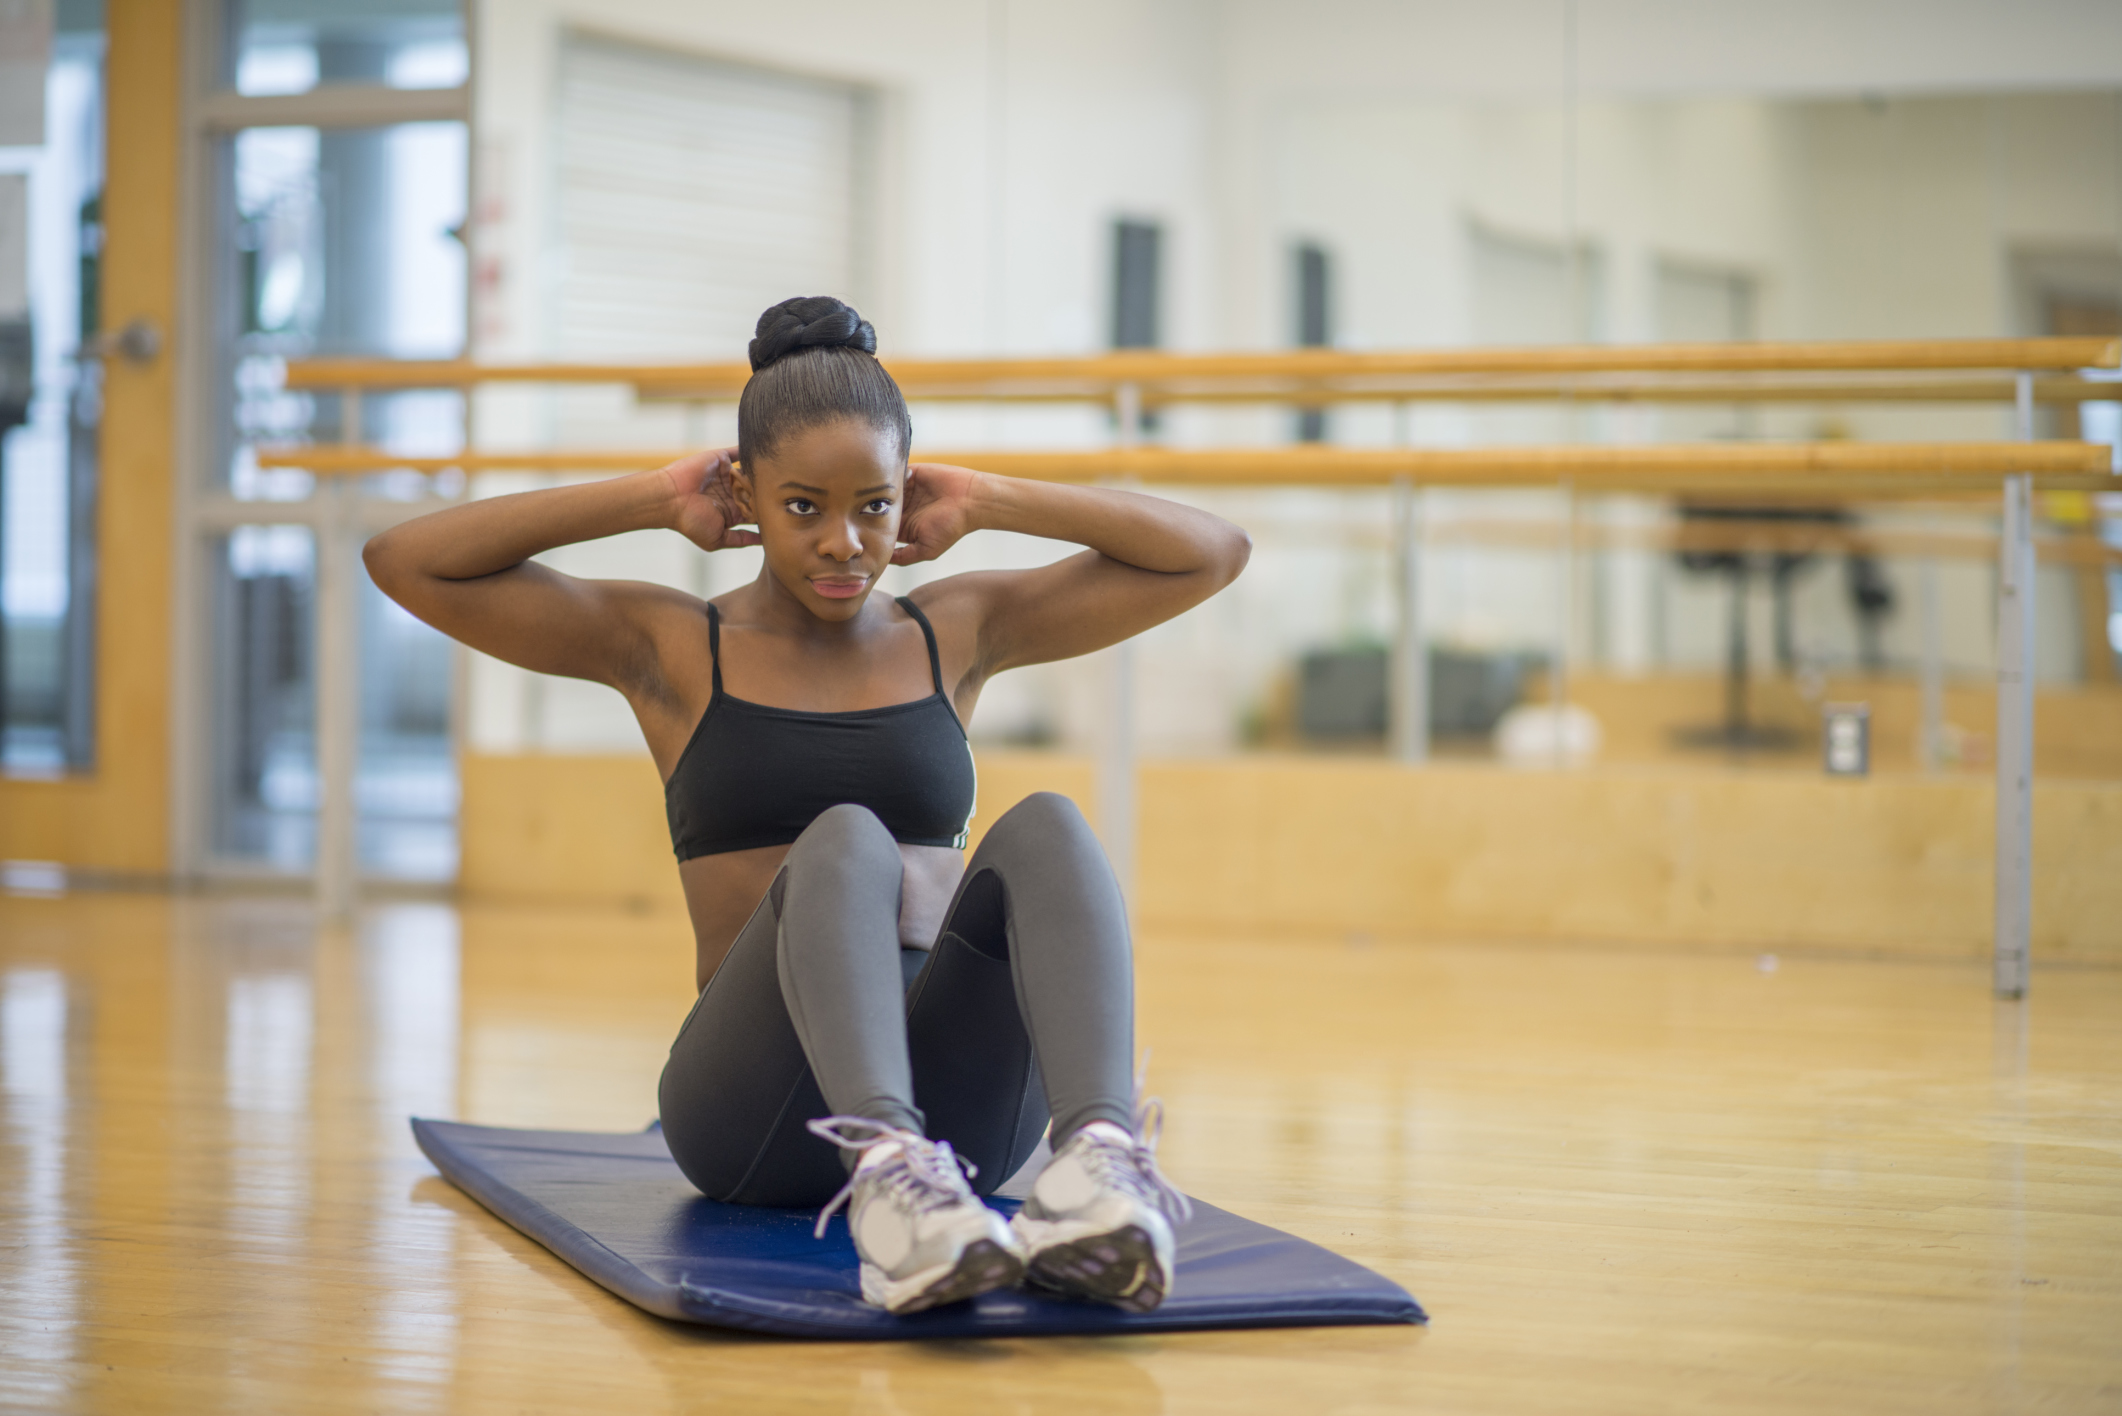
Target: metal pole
338,712
4,655
1566,612
2015,721
1408,692
1930,744
1116,743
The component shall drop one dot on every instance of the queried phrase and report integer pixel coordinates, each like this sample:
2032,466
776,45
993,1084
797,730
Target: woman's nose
843,542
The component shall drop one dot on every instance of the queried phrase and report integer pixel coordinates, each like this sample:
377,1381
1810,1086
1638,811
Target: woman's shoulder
956,607
950,601
966,592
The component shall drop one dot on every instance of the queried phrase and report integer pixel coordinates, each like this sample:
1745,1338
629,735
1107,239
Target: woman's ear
741,485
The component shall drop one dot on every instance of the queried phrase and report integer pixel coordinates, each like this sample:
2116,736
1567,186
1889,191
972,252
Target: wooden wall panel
117,817
1007,778
579,829
2077,728
1672,857
1677,858
590,829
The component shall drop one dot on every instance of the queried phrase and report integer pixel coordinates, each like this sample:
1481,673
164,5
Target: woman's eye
801,506
880,507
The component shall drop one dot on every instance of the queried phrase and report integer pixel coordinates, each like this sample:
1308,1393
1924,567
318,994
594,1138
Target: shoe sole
981,1267
1121,1268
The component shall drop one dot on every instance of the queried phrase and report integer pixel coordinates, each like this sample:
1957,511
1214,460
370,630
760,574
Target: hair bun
809,322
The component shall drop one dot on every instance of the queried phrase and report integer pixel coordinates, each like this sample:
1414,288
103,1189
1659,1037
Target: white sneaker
1099,1221
923,1236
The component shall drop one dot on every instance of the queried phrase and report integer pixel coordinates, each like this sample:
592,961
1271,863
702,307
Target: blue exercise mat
617,1208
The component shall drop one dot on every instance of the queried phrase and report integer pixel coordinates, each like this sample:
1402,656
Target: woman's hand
707,501
935,511
1145,560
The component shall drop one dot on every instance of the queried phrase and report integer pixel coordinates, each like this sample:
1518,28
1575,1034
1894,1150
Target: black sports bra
757,776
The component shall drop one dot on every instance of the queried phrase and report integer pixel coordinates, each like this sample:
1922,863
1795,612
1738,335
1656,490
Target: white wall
1100,105
1875,217
1870,166
1010,137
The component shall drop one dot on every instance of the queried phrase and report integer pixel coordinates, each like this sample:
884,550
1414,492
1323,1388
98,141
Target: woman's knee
1047,816
848,834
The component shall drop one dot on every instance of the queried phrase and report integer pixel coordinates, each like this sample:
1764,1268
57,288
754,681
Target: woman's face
827,507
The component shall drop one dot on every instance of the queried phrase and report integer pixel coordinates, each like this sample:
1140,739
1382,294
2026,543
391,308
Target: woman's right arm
468,570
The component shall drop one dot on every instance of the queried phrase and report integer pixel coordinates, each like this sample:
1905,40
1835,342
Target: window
1137,284
295,46
51,180
325,711
1314,324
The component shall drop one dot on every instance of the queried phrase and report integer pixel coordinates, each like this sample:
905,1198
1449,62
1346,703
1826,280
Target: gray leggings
817,1010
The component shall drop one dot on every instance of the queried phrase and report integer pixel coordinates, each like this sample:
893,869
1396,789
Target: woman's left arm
1147,560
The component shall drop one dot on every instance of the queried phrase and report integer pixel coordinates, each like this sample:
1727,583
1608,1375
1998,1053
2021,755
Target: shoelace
1133,1167
925,1174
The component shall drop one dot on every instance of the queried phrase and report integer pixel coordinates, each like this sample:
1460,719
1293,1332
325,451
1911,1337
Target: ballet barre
2021,372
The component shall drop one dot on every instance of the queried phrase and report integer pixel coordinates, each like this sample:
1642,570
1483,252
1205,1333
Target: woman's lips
840,587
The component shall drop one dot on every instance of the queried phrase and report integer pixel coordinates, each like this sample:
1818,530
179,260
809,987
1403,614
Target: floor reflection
266,1069
410,968
38,1293
1849,1182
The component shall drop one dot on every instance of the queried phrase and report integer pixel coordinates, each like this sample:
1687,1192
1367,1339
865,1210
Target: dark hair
815,361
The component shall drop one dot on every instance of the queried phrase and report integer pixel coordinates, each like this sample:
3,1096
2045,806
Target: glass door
327,711
51,186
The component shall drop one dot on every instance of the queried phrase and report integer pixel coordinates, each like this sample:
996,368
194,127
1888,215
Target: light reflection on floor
1622,1181
38,1313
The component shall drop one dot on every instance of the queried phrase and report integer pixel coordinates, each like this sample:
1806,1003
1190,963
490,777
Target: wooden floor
1622,1182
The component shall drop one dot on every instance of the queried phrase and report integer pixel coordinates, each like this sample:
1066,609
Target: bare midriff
722,891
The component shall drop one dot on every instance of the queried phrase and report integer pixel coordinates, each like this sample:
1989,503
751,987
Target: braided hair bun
809,322
837,378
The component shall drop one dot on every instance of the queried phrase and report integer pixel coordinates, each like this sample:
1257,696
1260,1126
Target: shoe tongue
1131,1167
1114,1155
925,1176
1113,1163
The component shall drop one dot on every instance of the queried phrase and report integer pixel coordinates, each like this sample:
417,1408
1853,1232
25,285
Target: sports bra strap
714,644
928,633
935,661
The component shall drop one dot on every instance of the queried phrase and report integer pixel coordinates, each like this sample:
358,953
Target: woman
819,784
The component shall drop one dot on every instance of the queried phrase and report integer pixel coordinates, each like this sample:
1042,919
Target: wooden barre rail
1829,466
1589,389
1699,463
1757,537
1099,375
1738,475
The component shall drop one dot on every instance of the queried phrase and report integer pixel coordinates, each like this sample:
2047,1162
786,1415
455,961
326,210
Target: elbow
1236,551
381,562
